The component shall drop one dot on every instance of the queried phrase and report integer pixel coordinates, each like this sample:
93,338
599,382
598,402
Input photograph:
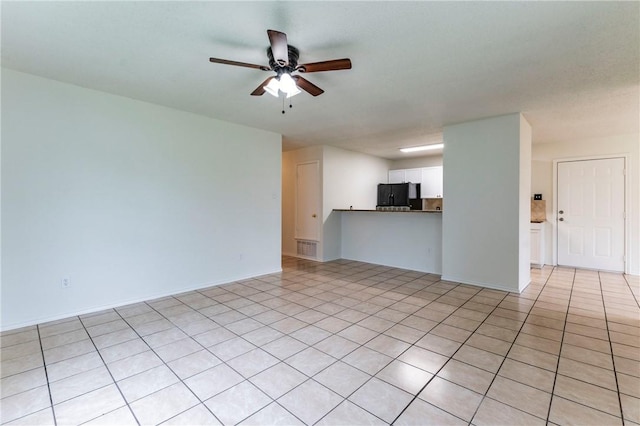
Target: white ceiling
572,68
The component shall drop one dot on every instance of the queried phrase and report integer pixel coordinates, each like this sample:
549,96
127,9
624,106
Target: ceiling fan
283,59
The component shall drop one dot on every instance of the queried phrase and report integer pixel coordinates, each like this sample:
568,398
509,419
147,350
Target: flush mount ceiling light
423,147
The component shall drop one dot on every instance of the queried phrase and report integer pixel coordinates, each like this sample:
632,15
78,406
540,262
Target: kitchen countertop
388,211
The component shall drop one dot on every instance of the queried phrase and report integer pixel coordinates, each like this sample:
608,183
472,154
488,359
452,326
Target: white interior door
307,201
590,216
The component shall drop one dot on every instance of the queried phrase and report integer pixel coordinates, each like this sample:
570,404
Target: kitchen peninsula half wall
410,239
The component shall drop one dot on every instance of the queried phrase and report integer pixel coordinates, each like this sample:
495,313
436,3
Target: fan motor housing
294,54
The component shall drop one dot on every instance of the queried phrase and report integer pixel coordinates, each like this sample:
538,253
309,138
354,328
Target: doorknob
313,215
561,219
561,212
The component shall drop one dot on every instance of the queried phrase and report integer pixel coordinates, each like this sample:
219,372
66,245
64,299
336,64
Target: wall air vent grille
307,248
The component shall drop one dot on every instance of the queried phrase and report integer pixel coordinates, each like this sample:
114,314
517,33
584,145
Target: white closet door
308,201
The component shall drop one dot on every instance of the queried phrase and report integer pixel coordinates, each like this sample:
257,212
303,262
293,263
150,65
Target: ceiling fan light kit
283,60
284,84
273,87
288,86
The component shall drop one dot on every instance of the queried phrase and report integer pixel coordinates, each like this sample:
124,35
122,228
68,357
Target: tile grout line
416,396
635,297
46,375
360,345
581,380
524,322
356,348
372,376
141,339
507,354
222,361
180,380
363,344
266,325
564,327
110,375
613,358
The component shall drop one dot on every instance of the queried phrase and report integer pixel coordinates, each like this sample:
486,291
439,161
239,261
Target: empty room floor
339,343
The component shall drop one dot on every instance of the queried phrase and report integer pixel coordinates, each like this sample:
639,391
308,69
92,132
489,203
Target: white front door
590,216
307,201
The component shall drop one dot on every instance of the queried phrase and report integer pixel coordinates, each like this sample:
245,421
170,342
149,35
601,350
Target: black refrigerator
397,194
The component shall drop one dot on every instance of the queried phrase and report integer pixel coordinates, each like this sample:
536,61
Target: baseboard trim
482,284
94,309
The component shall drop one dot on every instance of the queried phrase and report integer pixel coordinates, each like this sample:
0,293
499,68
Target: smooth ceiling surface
572,68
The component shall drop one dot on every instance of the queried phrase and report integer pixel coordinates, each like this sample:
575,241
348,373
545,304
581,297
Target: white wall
485,230
543,156
524,200
129,200
401,240
349,179
416,162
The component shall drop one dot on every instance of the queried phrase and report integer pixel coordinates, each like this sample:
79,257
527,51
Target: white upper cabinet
431,184
413,175
396,176
429,178
405,175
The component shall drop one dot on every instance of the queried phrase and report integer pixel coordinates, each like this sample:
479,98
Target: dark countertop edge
389,211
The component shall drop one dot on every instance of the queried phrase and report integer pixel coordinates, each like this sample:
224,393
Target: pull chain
290,105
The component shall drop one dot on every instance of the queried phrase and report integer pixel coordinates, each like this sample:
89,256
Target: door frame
554,219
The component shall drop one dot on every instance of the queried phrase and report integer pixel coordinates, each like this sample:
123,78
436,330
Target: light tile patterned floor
339,343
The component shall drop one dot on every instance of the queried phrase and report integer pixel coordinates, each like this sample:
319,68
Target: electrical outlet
65,282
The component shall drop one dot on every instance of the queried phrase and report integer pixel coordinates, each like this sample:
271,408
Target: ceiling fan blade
307,86
239,64
279,47
260,89
336,64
